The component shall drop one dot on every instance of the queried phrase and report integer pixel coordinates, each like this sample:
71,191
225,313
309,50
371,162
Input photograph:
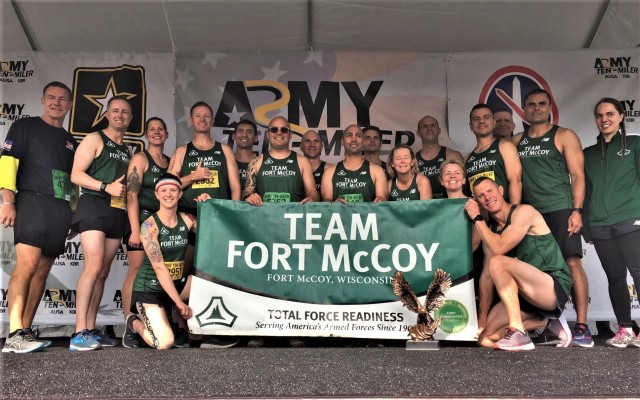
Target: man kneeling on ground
524,265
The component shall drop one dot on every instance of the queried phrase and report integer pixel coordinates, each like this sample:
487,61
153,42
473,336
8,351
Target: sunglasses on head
274,129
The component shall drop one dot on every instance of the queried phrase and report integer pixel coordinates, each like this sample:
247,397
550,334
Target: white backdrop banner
577,80
147,80
324,91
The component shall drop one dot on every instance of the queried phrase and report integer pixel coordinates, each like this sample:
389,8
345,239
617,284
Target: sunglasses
275,129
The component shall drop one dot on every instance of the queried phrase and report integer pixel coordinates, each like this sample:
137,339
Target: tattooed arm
149,238
175,166
137,167
249,193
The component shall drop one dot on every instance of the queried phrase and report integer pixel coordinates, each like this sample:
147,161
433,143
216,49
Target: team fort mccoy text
305,228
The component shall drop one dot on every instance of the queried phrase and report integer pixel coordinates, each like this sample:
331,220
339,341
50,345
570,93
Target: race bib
62,187
276,197
211,182
175,269
119,202
352,197
488,174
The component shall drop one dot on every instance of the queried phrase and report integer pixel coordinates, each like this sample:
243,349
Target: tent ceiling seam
25,27
597,24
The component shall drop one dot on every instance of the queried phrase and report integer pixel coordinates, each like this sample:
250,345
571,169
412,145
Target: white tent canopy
297,25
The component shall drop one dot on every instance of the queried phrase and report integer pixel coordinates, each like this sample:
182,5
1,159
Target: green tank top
317,175
280,180
147,200
242,169
431,169
489,163
173,244
353,186
217,185
111,163
411,193
546,183
543,252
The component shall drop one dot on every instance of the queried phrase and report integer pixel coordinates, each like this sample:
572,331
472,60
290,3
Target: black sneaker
297,343
181,338
255,343
218,342
102,338
130,339
556,333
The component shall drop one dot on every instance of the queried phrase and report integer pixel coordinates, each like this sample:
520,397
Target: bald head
311,145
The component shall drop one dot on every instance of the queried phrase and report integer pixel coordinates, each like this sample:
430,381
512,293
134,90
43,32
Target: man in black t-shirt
36,161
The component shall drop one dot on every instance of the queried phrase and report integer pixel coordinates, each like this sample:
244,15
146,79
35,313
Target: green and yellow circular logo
455,316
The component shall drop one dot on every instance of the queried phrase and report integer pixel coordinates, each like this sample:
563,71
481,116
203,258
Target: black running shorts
42,221
160,298
94,213
558,222
561,297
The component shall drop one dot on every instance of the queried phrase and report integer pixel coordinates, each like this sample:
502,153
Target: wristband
8,203
103,187
578,210
477,218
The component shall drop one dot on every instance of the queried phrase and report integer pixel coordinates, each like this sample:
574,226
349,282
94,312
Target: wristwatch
477,218
103,187
578,210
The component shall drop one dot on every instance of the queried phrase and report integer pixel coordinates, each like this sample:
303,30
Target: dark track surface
458,370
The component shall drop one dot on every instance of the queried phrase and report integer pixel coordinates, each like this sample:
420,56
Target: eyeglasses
275,129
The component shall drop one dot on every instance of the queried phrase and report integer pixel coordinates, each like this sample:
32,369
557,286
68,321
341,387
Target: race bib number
488,174
211,182
352,197
277,197
62,187
175,269
119,202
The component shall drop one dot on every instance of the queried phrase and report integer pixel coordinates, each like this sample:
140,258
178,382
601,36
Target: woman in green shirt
612,207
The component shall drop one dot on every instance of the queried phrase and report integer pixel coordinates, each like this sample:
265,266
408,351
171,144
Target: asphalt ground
324,369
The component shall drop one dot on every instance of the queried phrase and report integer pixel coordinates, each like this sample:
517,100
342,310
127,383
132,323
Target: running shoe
297,343
33,334
130,338
20,343
218,342
544,337
255,342
514,340
582,336
103,339
181,338
560,328
84,341
622,339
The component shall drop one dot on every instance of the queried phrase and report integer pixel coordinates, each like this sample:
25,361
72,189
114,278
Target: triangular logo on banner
216,313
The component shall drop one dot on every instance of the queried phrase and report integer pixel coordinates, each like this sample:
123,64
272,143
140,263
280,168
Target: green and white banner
325,269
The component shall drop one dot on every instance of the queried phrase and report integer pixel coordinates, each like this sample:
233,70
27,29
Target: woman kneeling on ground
159,283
